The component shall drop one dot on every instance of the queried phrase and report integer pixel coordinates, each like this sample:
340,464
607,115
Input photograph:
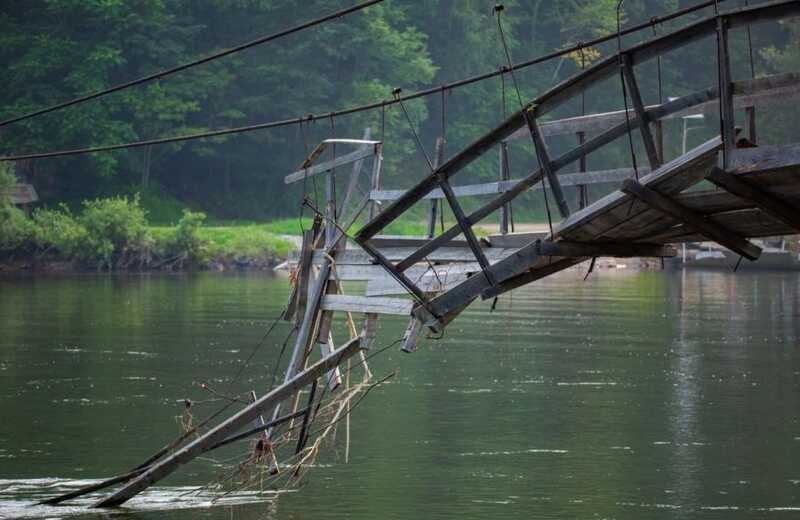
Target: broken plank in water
231,425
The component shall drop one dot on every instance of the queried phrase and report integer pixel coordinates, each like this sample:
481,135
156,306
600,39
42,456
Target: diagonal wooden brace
707,227
765,201
164,467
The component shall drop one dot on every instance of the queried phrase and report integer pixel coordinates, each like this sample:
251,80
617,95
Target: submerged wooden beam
767,202
230,426
697,221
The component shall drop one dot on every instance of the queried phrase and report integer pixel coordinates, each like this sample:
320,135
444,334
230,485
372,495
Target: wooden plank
493,188
638,106
772,158
230,426
515,240
402,241
327,166
751,223
710,229
364,304
387,286
748,93
354,272
768,203
670,178
442,255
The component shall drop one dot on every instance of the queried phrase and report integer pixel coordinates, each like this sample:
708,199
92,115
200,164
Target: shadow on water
630,395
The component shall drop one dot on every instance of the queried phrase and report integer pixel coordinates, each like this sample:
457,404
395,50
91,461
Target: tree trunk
148,151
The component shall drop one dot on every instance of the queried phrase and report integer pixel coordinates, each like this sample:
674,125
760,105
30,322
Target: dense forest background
53,50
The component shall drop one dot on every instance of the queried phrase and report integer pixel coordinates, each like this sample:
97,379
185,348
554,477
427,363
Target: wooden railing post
438,159
505,175
726,92
641,113
583,194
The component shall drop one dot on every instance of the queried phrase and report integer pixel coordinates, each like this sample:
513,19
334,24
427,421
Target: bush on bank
114,234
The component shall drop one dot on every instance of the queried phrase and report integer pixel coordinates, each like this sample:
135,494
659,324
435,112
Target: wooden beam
367,305
466,229
683,214
327,166
438,158
638,106
768,203
228,427
567,89
494,188
545,163
505,175
726,91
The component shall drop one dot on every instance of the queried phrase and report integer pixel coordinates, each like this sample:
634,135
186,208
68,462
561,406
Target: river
630,395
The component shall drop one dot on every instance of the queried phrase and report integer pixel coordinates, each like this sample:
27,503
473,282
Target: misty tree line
53,50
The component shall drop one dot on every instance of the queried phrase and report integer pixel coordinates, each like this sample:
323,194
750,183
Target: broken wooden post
230,426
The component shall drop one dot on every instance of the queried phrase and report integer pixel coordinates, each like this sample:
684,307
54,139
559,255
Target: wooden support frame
567,89
522,260
169,464
641,113
708,228
765,201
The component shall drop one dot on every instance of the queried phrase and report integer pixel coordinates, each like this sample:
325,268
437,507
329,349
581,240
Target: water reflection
630,395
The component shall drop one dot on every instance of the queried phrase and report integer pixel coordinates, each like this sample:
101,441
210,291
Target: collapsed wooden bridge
749,192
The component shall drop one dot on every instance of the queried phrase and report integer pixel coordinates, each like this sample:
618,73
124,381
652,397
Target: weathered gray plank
767,202
343,160
712,230
364,304
230,426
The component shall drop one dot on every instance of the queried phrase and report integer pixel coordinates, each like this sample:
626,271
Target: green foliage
187,240
16,230
58,231
116,233
7,181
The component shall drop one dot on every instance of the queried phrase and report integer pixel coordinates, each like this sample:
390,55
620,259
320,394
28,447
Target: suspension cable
365,107
211,57
498,9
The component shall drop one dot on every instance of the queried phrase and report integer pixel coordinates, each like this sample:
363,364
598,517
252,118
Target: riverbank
114,235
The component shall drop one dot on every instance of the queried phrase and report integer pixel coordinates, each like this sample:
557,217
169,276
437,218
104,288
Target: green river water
631,395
